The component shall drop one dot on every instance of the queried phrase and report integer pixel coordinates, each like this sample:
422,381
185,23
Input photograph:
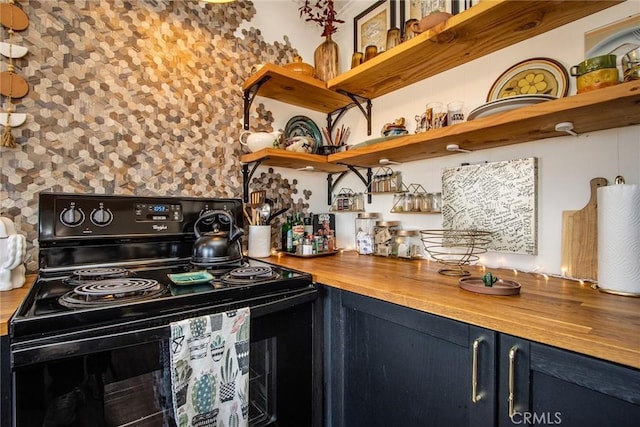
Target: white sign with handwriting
500,197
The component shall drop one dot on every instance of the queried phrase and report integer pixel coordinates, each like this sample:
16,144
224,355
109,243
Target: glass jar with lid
384,234
407,244
407,203
365,224
398,202
436,202
427,203
417,202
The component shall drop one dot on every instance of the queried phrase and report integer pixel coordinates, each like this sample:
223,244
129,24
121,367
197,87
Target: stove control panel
65,216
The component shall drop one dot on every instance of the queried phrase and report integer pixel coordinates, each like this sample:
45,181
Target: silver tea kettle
216,246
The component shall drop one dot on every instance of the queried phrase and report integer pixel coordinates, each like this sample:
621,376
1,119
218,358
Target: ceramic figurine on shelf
13,250
395,128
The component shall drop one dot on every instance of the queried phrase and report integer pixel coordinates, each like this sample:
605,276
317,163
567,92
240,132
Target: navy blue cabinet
543,385
388,365
393,366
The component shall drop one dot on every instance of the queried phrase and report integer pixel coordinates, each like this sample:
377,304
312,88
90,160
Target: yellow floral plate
535,76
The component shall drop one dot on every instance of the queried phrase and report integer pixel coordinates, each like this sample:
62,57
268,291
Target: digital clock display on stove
159,208
158,212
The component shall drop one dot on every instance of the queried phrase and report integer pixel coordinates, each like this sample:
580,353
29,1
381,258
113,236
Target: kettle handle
234,232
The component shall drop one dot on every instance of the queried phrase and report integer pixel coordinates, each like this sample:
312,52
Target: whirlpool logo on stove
157,227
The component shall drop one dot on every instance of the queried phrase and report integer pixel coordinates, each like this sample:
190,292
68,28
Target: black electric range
106,262
98,318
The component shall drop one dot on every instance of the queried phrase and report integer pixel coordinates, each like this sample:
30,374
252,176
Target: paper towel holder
619,179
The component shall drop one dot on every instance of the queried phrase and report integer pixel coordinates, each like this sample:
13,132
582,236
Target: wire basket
455,248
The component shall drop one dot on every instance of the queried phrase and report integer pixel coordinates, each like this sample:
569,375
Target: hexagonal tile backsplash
131,97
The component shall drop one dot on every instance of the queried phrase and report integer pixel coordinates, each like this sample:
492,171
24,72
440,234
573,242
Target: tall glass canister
365,224
384,234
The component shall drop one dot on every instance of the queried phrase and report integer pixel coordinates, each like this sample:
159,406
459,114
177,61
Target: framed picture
416,9
370,26
618,38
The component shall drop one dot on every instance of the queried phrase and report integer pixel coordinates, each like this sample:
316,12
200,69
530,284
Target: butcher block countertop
10,300
553,311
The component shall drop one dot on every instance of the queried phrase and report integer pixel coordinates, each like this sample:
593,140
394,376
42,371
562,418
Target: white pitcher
256,141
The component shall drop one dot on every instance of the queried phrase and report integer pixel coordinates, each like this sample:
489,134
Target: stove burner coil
112,291
85,275
249,275
251,272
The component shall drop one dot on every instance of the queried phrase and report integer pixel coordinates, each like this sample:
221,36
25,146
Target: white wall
565,164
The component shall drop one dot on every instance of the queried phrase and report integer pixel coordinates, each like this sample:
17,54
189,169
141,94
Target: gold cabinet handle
474,371
512,380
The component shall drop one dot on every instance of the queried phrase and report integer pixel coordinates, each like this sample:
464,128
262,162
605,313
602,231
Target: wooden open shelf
292,160
612,107
296,89
480,30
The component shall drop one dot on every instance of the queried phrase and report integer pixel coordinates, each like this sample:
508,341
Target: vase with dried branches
325,57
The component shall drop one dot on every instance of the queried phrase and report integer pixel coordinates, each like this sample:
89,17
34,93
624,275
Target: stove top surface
86,297
109,261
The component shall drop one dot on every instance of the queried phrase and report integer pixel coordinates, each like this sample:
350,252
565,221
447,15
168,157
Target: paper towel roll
619,239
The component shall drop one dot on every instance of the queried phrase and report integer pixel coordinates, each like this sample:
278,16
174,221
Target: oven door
122,379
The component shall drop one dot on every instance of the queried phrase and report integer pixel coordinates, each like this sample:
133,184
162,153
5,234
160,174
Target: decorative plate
507,104
535,76
303,126
501,287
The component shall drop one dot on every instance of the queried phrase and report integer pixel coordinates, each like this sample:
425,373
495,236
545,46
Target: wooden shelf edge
276,70
611,107
292,160
480,30
296,89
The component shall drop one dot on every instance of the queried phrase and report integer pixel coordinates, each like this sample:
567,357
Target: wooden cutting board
580,237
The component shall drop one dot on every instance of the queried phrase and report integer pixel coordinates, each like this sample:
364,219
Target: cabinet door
394,366
550,386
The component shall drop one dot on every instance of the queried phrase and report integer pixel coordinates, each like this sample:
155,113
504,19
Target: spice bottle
287,234
297,236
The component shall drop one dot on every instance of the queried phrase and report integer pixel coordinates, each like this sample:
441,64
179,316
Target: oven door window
131,386
125,387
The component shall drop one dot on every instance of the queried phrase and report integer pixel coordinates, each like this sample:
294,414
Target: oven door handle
60,347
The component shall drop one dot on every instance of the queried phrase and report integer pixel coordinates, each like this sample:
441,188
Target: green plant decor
489,279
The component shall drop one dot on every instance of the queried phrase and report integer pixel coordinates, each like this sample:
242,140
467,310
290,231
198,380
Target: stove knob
72,216
101,217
